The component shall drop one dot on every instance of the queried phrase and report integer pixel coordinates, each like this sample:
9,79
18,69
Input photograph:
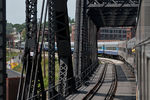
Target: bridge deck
102,92
90,84
126,88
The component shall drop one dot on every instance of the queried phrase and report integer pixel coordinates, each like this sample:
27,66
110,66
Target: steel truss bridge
90,15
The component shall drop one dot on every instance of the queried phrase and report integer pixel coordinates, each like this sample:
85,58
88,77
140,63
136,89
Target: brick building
116,33
73,32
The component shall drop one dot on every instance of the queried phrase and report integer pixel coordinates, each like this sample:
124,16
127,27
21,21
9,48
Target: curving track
113,80
91,93
109,73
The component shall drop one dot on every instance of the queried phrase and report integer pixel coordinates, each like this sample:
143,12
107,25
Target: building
73,32
116,33
13,39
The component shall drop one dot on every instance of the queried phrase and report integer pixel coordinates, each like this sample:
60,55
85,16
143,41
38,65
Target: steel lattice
84,60
32,84
51,43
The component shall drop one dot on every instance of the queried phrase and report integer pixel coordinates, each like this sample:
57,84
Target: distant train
106,48
113,48
110,48
124,50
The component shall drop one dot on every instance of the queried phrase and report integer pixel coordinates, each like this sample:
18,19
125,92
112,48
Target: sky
15,10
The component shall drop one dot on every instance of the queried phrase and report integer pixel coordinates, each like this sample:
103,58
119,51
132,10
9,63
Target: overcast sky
16,10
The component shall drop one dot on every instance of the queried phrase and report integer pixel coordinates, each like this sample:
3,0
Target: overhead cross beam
2,49
113,3
100,10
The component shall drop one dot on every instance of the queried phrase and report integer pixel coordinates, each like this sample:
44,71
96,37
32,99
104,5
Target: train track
101,79
113,87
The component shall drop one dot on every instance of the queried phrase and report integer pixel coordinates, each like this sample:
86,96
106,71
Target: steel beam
107,7
30,47
51,47
83,44
85,63
3,50
112,5
59,27
76,42
32,83
31,24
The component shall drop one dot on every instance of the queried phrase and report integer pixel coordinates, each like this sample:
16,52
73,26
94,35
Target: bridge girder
32,83
3,50
117,10
59,27
84,57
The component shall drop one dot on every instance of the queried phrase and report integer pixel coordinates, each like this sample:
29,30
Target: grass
56,71
100,55
19,69
10,54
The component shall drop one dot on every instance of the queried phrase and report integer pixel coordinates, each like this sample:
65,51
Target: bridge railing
58,96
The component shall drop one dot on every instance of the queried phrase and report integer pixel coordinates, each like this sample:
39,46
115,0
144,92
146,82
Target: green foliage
23,34
71,21
9,28
70,29
18,68
56,71
10,54
19,27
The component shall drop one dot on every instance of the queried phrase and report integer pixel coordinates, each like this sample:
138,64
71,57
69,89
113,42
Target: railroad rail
113,88
101,79
91,93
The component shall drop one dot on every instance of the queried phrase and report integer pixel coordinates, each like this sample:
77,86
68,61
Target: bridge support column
92,30
51,47
83,42
3,50
85,55
59,25
32,84
76,43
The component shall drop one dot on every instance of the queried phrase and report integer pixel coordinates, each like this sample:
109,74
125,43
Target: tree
19,27
9,28
23,34
71,20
